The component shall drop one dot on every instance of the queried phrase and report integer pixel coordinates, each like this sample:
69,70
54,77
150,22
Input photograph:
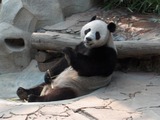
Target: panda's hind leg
54,95
23,93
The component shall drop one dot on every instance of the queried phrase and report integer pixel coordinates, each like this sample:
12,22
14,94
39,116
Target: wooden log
57,41
137,49
47,65
53,40
43,56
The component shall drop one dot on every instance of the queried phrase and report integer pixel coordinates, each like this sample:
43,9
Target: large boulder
14,48
20,18
30,15
33,14
75,6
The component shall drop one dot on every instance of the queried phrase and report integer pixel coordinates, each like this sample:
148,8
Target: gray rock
14,48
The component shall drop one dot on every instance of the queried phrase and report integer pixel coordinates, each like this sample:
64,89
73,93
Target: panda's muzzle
88,39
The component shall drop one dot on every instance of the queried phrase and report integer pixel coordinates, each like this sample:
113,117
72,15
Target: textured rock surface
75,6
30,76
18,18
30,14
14,48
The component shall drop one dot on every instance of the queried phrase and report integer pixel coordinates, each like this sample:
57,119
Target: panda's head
96,33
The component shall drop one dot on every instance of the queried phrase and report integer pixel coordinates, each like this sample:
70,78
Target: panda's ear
111,27
93,18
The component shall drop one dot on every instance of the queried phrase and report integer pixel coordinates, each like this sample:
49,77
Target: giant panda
82,70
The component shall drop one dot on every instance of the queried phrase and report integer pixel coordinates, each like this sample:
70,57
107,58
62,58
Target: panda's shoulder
111,51
105,50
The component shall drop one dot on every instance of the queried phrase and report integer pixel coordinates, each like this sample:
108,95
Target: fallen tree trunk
53,40
137,49
58,41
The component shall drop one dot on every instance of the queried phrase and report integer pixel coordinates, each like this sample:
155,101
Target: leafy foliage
143,6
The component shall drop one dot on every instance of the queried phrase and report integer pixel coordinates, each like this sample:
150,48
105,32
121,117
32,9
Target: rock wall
20,18
75,6
14,48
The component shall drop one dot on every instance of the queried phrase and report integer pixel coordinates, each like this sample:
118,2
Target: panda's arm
96,64
56,69
80,62
77,59
82,66
59,66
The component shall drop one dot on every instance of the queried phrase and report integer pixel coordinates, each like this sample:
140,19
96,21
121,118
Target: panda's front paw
69,53
32,98
47,77
22,93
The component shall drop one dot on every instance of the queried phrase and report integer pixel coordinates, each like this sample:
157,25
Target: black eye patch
98,36
86,31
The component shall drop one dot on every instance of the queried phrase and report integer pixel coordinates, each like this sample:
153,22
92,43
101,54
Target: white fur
97,26
82,85
70,78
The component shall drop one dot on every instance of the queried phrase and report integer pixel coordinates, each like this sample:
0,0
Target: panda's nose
88,39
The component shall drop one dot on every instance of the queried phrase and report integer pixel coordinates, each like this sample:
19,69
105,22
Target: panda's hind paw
32,98
22,93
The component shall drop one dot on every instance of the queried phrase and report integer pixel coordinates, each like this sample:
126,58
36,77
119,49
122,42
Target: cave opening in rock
15,43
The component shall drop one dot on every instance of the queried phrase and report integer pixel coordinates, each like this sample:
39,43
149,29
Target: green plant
143,6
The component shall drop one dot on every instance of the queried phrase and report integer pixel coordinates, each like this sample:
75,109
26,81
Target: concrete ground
129,96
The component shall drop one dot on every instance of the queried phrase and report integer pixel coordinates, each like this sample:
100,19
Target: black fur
54,95
93,18
86,31
98,36
23,93
111,27
87,62
33,94
98,61
56,69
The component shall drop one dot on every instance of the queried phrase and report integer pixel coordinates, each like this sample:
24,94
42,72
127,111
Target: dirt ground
132,26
